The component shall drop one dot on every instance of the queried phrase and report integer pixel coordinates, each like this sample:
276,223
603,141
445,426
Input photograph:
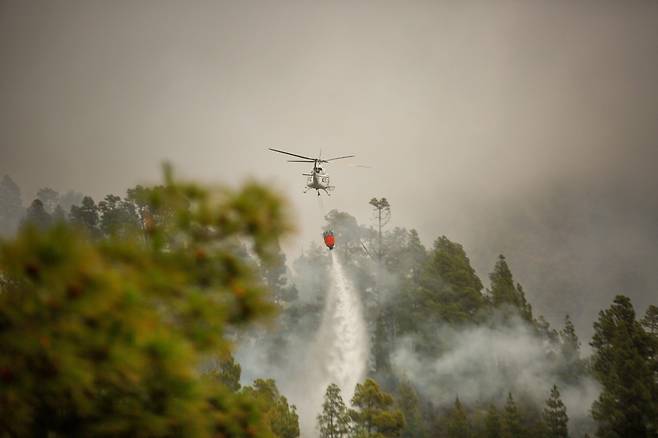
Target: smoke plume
481,364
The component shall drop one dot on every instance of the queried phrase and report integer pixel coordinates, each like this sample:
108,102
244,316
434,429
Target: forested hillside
173,311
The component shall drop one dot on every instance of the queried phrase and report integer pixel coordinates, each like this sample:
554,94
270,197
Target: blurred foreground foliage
105,336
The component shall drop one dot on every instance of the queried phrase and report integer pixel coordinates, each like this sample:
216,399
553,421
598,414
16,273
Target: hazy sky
524,127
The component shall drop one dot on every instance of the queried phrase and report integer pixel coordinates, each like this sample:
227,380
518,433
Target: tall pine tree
492,426
37,216
334,421
409,404
627,406
555,416
504,292
118,217
227,371
374,414
573,366
450,288
512,427
650,320
456,423
283,418
85,216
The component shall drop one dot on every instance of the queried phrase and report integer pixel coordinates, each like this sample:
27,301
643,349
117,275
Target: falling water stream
343,333
340,351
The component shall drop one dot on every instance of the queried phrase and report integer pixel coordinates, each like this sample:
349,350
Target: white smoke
482,363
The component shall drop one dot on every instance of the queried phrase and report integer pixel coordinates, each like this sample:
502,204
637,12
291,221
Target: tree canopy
622,361
505,293
334,420
104,338
555,416
281,417
374,413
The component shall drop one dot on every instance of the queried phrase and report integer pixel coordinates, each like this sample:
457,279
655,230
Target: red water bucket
329,239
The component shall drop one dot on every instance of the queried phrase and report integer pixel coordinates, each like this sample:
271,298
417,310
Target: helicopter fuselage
317,180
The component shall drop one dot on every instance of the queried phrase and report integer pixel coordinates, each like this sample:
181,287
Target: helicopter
318,179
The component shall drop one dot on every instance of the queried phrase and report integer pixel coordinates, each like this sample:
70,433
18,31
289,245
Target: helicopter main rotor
309,159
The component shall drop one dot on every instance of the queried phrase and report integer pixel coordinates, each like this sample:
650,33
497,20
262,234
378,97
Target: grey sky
484,121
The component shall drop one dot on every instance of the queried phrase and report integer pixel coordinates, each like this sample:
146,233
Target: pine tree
555,416
381,342
49,198
416,255
382,210
85,216
117,217
374,413
512,427
505,292
545,331
621,362
403,254
650,320
334,421
574,366
570,342
37,216
457,425
227,371
283,418
11,206
525,308
502,284
409,404
450,289
492,426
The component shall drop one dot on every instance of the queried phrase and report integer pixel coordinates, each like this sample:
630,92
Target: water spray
340,350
